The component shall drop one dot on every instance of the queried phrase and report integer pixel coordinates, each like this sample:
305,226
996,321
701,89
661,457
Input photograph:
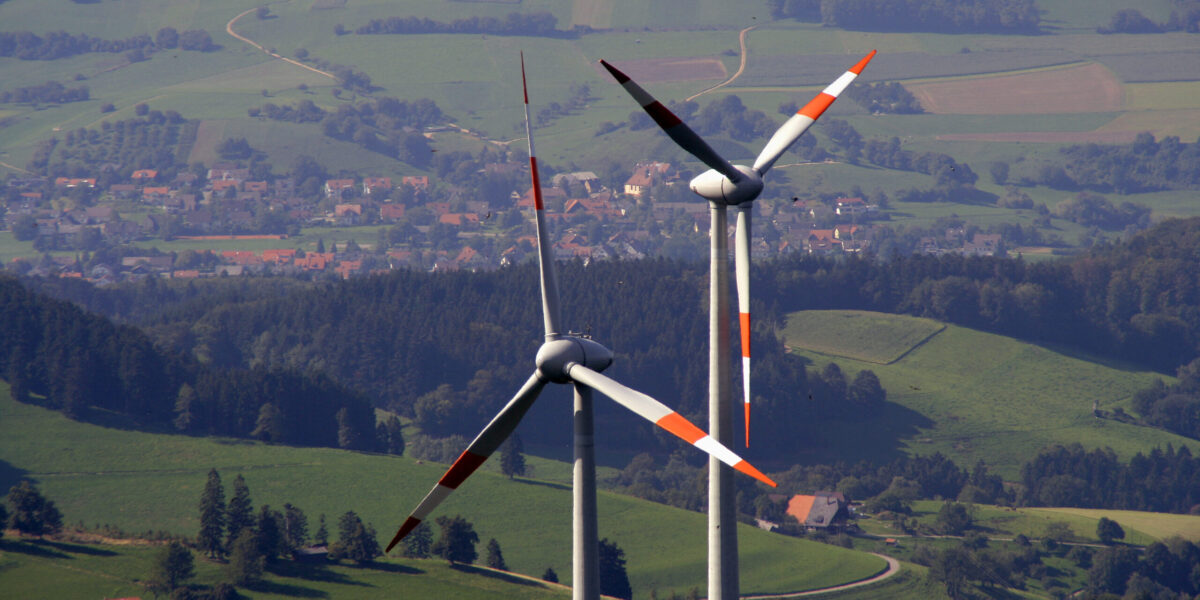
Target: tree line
51,92
79,363
542,24
1161,481
26,45
1144,165
968,16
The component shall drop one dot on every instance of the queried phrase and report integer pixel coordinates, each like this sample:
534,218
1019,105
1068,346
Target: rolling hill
139,481
972,395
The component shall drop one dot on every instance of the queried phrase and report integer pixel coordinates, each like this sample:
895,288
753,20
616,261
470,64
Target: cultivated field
1081,88
979,396
139,481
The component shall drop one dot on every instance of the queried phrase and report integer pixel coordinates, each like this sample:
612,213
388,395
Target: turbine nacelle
714,186
556,357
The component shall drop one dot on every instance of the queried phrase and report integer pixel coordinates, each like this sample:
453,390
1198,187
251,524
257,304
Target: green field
1141,528
1158,526
144,481
67,570
861,335
979,396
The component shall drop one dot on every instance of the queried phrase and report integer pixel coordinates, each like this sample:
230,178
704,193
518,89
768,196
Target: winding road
242,38
741,67
893,567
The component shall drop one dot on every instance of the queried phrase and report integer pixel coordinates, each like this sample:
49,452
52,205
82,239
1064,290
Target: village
405,224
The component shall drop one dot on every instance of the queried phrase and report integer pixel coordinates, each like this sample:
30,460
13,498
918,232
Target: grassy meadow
1141,528
139,481
69,570
975,395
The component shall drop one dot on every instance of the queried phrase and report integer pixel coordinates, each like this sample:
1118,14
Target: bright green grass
143,481
1158,526
85,571
1000,400
1006,522
862,335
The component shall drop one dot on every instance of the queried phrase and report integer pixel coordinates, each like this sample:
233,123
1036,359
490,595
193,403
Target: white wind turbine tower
725,185
577,360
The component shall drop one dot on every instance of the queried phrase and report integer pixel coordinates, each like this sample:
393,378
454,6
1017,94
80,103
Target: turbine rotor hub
713,186
556,356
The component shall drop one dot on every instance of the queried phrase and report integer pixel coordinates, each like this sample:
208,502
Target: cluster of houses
229,203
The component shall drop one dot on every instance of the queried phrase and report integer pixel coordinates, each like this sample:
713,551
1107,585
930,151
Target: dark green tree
550,575
495,558
321,537
32,513
269,533
212,516
419,542
239,514
953,518
457,541
245,562
295,527
614,581
391,436
1108,530
512,459
172,566
953,567
357,542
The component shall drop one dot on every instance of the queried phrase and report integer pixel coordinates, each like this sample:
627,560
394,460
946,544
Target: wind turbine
576,360
725,185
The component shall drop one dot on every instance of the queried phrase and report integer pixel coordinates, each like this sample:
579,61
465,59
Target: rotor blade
742,269
656,412
677,129
794,127
485,444
550,310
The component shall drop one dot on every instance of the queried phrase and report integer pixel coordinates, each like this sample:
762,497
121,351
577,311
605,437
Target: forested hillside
88,367
449,349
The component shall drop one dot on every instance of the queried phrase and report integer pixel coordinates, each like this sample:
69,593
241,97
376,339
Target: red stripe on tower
744,320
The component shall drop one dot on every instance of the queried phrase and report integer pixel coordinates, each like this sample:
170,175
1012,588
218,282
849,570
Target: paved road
893,567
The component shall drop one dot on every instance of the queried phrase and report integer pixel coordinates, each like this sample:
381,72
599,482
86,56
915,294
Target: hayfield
1073,89
863,335
819,69
139,481
1159,526
992,398
656,70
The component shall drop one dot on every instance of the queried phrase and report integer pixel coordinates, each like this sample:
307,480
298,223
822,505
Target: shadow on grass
550,484
285,589
505,577
879,438
310,572
10,475
32,548
393,568
78,548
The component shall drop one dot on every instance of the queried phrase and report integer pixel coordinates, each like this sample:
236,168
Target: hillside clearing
993,398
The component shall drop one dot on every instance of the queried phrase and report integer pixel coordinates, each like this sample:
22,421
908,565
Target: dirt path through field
242,38
741,67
